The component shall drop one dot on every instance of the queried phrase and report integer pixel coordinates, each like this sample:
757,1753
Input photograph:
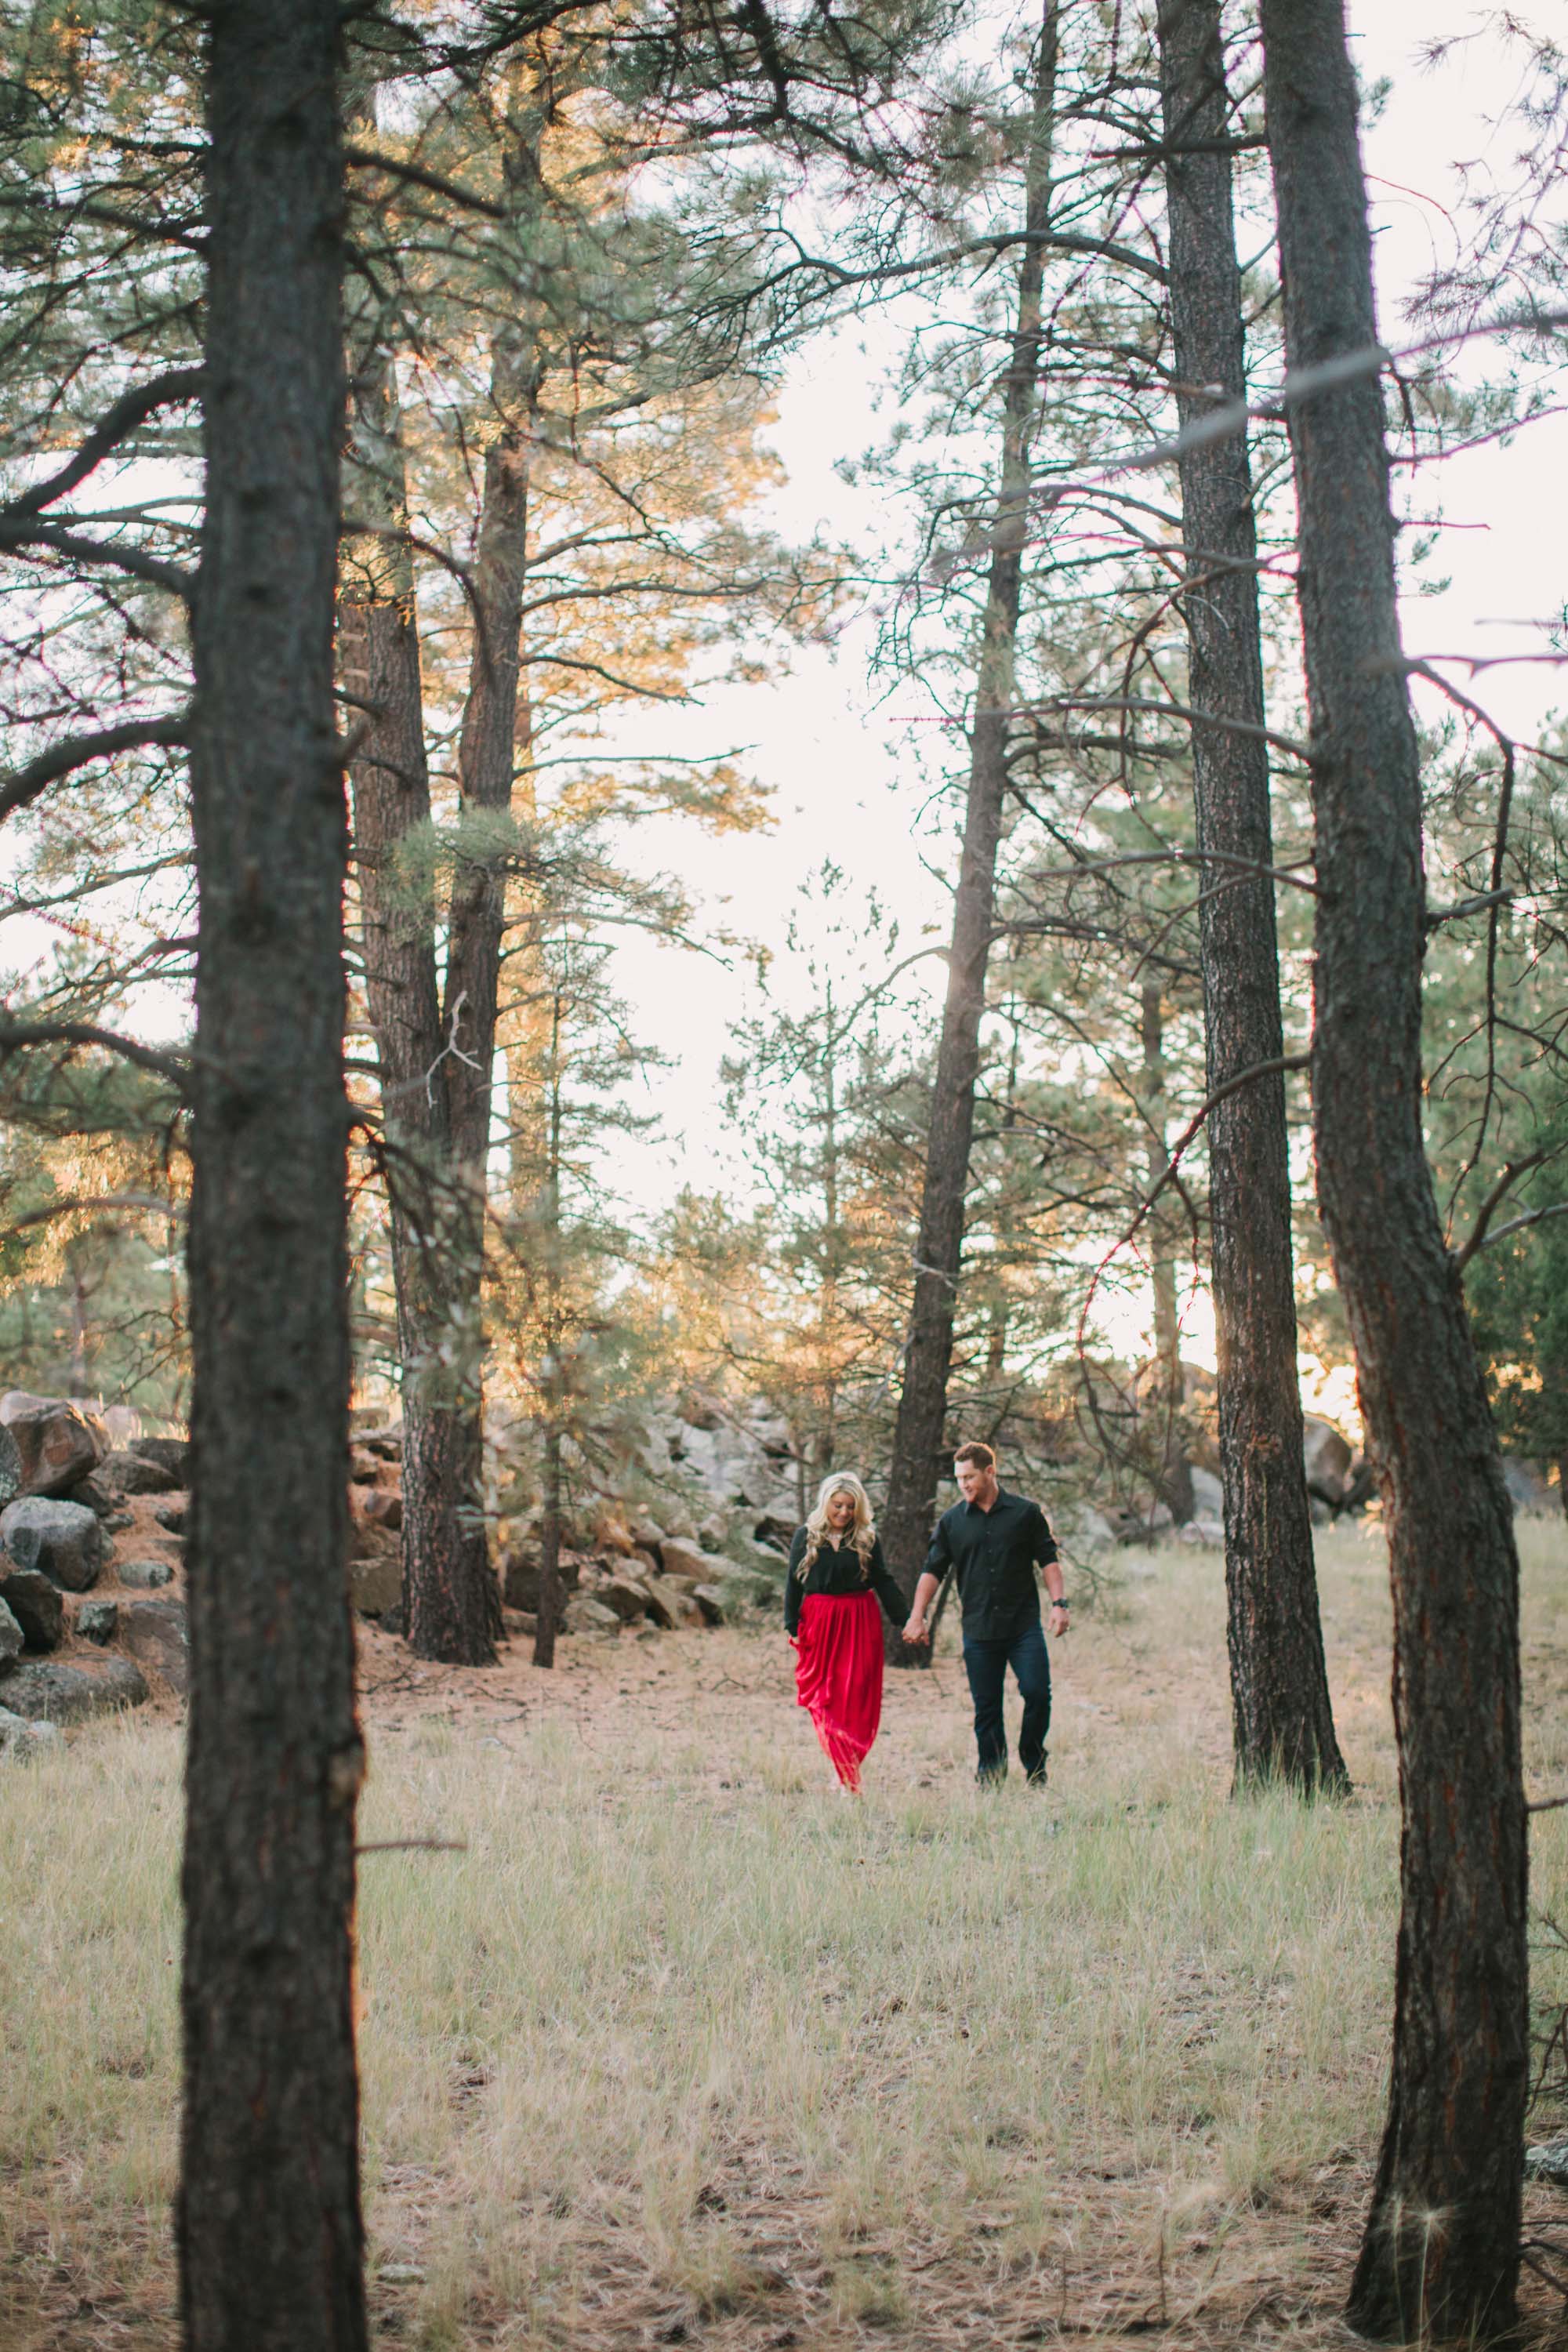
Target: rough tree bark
379,668
270,2230
436,1050
917,1457
1440,2256
1282,1719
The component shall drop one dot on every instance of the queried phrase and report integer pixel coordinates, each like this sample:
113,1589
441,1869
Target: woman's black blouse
837,1569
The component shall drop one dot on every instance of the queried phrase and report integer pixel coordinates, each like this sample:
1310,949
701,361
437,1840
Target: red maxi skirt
838,1674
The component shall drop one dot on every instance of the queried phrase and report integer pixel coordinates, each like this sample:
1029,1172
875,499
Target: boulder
646,1534
671,1605
518,1624
627,1595
1204,1533
155,1632
56,1442
583,1614
34,1600
364,1467
170,1454
1528,1489
1327,1458
96,1496
709,1600
383,1507
644,1561
375,1583
10,1467
681,1559
1548,2160
64,1539
12,1641
61,1694
98,1621
172,1516
611,1533
20,1740
128,1474
520,1573
713,1531
1209,1494
144,1575
386,1444
774,1532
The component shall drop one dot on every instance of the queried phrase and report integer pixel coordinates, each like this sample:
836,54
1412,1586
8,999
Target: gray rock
56,1693
172,1516
384,1508
1548,2161
98,1621
95,1497
10,1467
1327,1458
1204,1533
1208,1495
775,1531
144,1575
627,1595
709,1599
671,1605
155,1632
688,1560
64,1539
12,1638
648,1534
131,1473
375,1583
1528,1489
170,1454
58,1443
585,1614
34,1600
20,1740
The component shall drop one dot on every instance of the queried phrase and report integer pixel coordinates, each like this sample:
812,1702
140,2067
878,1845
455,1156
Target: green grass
686,2040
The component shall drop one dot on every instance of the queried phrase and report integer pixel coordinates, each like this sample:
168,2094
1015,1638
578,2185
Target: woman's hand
915,1632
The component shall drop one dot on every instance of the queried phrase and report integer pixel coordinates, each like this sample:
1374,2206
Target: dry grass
688,2047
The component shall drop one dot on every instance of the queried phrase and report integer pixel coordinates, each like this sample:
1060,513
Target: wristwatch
1062,1603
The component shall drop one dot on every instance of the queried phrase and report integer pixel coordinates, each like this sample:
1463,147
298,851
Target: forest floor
683,2046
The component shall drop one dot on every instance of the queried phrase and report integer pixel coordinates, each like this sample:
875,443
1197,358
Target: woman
836,1577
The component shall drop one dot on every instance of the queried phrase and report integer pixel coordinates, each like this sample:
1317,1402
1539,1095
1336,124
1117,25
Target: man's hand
1058,1617
915,1632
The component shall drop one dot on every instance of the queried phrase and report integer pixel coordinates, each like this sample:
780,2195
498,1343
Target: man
993,1541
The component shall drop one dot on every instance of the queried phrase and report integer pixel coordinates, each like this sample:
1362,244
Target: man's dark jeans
986,1665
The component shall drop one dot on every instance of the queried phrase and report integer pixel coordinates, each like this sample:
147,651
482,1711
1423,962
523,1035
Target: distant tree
1282,1715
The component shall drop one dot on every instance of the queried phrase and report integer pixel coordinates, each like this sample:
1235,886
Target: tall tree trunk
444,1587
1282,1720
459,1617
916,1464
552,1598
270,2230
1164,1399
1440,2256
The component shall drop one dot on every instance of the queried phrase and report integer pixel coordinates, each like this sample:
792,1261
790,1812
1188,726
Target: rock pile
66,1495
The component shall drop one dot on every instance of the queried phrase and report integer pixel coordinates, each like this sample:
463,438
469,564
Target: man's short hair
981,1455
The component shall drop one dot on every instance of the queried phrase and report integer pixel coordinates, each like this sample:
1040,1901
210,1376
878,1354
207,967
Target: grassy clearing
688,2047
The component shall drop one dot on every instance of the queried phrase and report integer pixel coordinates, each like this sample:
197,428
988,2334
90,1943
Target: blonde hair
862,1530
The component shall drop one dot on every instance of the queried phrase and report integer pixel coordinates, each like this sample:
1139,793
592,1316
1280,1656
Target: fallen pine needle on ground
666,2040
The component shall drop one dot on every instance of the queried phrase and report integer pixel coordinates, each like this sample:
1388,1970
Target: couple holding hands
991,1541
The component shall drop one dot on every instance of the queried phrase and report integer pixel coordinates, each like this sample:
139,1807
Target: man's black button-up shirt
993,1554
